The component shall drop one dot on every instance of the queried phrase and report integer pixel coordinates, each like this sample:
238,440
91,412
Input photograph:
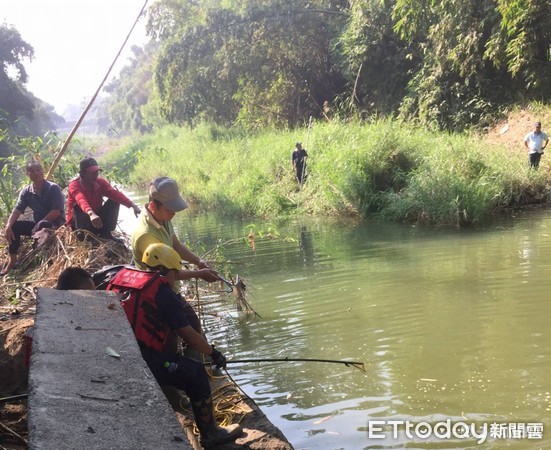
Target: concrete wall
80,396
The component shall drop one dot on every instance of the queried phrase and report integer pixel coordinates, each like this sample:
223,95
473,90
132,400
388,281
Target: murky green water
451,324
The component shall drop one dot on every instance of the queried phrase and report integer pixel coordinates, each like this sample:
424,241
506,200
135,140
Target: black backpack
102,277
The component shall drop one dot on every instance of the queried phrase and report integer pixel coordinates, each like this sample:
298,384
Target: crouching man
45,200
158,318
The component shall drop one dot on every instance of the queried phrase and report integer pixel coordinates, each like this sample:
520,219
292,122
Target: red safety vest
138,301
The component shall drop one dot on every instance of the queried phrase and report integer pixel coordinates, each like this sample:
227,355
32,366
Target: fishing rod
356,364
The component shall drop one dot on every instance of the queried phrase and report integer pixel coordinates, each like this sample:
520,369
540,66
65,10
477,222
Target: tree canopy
446,64
14,100
21,113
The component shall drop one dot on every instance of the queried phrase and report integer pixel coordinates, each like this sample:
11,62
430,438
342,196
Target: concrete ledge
80,396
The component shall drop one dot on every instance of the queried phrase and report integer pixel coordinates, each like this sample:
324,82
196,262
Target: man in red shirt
85,207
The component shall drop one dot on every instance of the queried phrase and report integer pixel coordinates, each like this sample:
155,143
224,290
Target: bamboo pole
13,398
301,181
307,142
91,102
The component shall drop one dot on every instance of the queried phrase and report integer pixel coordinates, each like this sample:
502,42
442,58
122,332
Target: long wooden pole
301,181
356,364
307,142
91,102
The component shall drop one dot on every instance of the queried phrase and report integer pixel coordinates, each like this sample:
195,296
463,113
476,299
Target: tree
475,57
522,44
261,62
14,100
133,106
448,64
377,62
21,113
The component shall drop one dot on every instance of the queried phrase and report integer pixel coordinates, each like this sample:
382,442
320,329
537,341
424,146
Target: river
453,327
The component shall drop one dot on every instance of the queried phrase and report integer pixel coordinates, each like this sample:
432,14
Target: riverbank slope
380,169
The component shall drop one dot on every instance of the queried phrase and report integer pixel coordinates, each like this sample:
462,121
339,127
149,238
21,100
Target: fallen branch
13,433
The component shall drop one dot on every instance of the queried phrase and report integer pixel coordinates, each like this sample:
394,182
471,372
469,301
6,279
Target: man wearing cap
298,161
535,142
155,226
85,207
45,199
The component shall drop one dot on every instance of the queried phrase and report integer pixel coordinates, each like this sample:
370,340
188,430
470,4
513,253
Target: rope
227,396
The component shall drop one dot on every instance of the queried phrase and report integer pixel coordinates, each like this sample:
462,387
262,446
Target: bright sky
75,42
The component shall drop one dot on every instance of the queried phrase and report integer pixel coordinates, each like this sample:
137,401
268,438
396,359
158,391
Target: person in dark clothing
158,317
45,199
298,161
74,278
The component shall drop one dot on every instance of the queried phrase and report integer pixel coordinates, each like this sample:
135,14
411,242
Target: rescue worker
158,318
155,225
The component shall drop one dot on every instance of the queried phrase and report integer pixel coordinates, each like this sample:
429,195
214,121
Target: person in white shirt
535,142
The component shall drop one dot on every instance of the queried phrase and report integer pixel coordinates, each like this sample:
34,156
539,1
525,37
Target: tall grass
386,169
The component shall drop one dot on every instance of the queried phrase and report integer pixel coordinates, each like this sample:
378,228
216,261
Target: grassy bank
387,170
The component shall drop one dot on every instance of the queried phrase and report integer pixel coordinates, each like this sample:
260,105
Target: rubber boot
212,434
177,399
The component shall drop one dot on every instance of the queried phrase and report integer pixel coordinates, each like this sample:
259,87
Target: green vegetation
263,63
224,88
12,168
385,169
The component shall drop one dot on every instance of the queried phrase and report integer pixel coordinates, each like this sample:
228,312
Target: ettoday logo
380,429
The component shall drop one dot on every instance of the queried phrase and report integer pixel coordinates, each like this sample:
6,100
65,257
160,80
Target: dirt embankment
13,380
510,132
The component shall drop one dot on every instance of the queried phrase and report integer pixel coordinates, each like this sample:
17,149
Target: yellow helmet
162,255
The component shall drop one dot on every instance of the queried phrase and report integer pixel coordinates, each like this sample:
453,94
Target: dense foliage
445,64
246,74
13,174
393,171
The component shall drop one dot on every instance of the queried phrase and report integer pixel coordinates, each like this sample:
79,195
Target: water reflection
451,324
306,246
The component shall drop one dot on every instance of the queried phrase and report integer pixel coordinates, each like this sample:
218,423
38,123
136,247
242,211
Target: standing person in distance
45,199
85,207
536,141
298,162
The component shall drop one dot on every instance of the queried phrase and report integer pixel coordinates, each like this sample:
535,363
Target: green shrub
384,169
